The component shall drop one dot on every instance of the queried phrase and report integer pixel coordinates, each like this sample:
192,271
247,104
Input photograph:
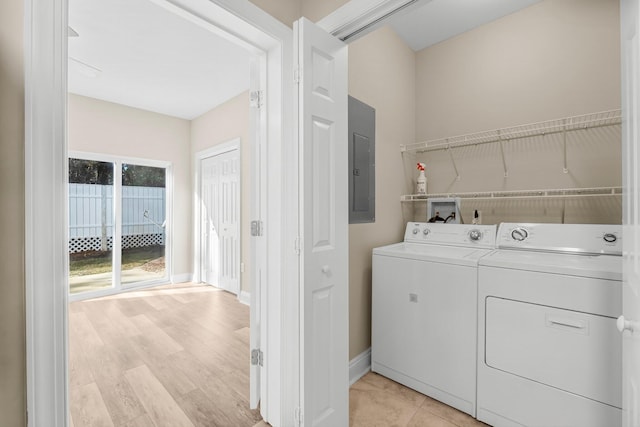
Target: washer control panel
451,234
576,238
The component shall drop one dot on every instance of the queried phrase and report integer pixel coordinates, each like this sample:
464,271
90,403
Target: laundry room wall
228,121
555,59
13,403
382,75
97,126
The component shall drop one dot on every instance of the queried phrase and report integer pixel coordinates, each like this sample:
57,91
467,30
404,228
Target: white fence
91,217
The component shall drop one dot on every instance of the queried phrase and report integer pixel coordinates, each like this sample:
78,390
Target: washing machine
424,310
549,353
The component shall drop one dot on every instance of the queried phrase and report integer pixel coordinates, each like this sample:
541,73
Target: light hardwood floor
174,355
177,355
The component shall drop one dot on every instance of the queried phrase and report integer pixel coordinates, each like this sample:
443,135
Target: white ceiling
438,20
136,53
149,58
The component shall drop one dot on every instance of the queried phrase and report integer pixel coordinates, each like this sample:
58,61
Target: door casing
46,269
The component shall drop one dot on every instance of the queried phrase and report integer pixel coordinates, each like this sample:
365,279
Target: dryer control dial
415,231
475,235
610,237
519,234
425,231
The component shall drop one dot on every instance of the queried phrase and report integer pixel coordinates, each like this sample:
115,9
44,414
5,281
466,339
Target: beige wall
103,127
315,10
224,123
382,75
555,59
286,11
12,315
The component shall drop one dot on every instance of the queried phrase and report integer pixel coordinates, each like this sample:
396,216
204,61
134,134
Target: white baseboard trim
182,278
359,366
244,297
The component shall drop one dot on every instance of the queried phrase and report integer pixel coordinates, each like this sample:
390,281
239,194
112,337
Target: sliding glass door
90,225
117,224
143,223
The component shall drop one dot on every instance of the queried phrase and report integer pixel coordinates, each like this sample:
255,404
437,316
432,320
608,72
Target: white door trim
225,147
45,195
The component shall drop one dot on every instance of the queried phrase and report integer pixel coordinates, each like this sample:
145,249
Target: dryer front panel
569,350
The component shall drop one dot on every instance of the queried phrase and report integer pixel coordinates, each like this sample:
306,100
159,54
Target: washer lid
595,266
436,253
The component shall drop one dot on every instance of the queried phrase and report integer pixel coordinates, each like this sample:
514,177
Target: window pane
143,223
90,225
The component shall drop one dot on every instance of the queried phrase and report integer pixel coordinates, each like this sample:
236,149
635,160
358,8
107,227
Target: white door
322,120
229,221
629,322
221,221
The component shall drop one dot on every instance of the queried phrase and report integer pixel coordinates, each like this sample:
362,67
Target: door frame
46,293
199,156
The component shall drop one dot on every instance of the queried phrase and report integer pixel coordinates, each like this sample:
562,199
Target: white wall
382,75
555,59
224,123
103,127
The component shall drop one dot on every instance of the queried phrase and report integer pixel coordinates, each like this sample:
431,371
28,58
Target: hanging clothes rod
565,193
549,127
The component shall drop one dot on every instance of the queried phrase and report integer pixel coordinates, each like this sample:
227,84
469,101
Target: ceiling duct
358,17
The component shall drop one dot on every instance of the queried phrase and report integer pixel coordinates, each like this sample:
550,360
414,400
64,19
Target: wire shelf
564,193
586,121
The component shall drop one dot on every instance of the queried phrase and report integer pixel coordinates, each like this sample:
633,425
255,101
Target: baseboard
244,297
359,366
182,278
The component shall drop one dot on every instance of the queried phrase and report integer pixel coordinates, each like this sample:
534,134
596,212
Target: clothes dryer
424,310
549,353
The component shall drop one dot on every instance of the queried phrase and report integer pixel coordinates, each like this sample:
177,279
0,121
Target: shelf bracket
504,160
565,169
453,161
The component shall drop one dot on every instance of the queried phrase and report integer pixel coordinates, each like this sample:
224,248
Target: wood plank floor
174,355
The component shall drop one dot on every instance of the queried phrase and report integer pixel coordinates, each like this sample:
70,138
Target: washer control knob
610,238
415,231
519,234
475,234
425,231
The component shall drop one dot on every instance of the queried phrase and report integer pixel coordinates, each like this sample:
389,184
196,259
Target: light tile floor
376,401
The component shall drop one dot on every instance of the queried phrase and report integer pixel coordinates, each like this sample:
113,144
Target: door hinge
296,245
256,98
256,357
256,228
296,75
297,414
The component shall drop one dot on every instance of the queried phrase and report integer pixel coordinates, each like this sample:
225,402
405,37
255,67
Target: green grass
96,262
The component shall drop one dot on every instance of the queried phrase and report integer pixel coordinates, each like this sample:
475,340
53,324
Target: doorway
46,171
219,209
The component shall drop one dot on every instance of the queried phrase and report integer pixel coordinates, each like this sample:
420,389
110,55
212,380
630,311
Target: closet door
221,221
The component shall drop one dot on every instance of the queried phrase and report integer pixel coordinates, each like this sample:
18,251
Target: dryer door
569,350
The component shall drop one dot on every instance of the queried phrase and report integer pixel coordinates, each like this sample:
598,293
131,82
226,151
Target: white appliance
549,353
424,310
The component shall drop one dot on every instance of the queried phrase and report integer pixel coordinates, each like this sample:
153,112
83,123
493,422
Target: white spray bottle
421,182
